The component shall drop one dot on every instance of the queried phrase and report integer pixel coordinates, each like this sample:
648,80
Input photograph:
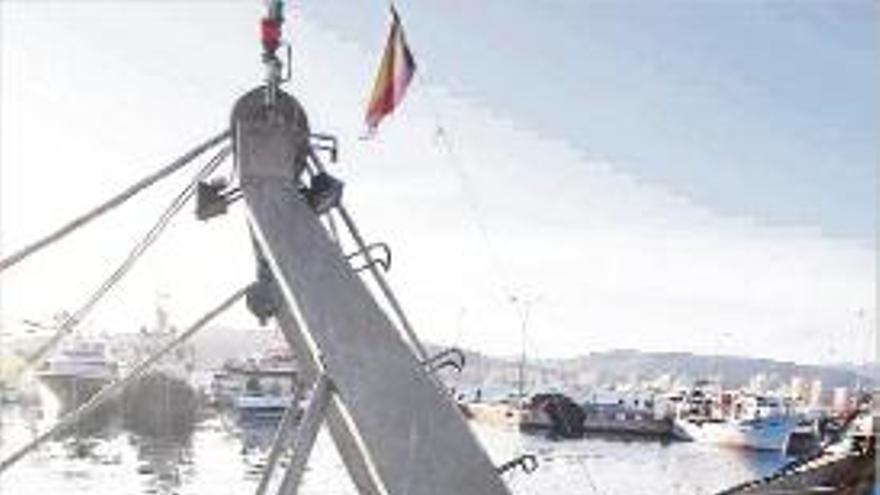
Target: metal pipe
118,385
280,441
305,436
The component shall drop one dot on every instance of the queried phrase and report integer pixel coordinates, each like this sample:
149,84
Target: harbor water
222,457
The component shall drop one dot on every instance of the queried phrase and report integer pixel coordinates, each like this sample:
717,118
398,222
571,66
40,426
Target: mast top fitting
270,37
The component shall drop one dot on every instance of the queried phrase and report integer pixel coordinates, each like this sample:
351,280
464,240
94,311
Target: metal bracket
326,142
384,261
324,192
527,462
263,298
446,359
288,73
213,198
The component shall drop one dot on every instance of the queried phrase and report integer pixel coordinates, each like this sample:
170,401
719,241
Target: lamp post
524,307
860,331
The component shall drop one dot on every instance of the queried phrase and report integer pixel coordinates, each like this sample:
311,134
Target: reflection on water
102,422
163,463
602,465
256,436
254,442
225,457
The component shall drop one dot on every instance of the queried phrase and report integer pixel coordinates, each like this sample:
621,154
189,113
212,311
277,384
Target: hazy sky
654,175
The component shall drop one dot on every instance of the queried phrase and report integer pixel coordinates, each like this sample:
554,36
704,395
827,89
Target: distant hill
630,368
612,369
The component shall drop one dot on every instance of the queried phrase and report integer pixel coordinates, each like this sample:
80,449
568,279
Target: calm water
221,458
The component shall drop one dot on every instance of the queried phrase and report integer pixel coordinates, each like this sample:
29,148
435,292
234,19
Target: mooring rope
77,316
110,204
117,386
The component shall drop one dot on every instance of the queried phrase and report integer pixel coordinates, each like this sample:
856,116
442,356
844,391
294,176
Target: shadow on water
85,439
760,462
164,463
254,438
228,456
155,407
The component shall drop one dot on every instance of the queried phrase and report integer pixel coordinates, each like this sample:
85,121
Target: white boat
163,402
76,372
257,404
270,382
759,434
752,422
224,388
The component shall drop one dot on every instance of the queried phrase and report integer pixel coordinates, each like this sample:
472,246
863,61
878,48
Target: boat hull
631,425
261,409
71,391
160,405
762,434
62,393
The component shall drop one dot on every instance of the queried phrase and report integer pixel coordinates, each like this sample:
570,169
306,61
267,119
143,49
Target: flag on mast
394,76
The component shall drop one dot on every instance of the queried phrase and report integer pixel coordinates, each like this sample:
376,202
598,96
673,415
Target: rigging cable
112,203
77,316
468,192
470,197
109,391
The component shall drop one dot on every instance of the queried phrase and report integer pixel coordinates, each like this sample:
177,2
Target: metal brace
527,462
446,359
288,66
263,298
328,143
324,192
384,262
213,198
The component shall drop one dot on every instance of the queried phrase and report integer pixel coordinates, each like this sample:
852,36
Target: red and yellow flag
395,74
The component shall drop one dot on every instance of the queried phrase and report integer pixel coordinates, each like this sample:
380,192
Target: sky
684,176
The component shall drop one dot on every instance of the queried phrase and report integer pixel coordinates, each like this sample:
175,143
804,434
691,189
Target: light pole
861,331
524,307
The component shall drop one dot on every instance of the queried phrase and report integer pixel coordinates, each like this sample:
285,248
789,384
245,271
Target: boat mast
394,424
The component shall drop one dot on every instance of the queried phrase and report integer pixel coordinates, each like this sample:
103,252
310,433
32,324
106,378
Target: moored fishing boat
845,466
610,413
270,383
738,420
73,375
163,402
77,372
259,404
